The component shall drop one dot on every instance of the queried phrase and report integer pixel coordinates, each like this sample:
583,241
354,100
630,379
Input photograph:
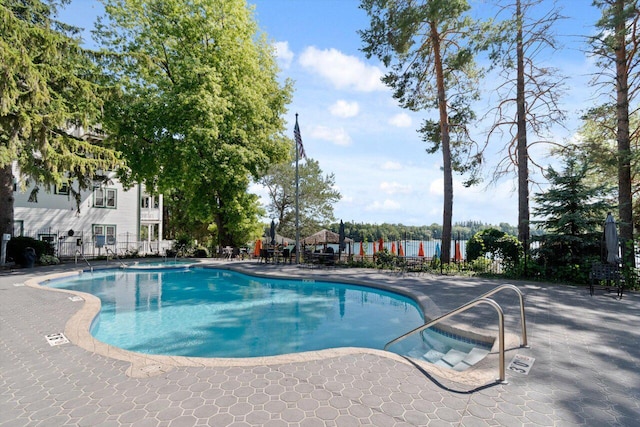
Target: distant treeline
361,232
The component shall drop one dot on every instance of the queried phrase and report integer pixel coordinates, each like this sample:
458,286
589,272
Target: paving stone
572,336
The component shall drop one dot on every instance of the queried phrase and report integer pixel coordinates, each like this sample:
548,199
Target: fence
68,245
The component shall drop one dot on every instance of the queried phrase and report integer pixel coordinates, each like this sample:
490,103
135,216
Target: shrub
17,246
48,260
201,252
496,243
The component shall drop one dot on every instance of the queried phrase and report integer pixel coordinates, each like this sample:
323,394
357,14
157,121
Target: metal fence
89,245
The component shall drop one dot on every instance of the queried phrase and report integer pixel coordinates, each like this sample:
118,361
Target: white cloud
344,109
401,120
337,136
395,188
387,205
283,54
343,71
437,187
392,166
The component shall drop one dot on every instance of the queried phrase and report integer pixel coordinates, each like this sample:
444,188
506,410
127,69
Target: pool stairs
458,359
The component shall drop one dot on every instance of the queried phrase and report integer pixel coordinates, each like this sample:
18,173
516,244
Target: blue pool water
217,313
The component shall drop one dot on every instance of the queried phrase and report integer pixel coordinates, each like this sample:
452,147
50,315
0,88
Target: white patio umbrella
611,240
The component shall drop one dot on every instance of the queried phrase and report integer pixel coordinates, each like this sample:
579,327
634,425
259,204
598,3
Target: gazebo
324,237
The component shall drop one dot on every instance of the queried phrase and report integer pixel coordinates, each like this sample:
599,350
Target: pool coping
77,330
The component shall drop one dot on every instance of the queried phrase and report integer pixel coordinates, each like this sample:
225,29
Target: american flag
296,134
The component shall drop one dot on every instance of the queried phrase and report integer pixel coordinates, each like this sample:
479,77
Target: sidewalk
586,370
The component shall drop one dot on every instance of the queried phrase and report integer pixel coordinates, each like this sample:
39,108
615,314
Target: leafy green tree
572,213
496,243
616,45
48,84
528,92
317,194
429,48
200,111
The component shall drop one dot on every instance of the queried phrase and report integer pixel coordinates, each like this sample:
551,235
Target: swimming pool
153,265
206,312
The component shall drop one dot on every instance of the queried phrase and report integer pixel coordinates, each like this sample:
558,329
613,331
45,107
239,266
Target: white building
108,218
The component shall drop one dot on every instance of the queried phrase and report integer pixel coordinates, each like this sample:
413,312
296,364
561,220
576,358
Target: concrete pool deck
586,370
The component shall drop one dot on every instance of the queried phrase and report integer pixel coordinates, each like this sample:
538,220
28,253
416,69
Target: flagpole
297,199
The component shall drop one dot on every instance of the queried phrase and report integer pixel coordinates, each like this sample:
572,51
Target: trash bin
30,257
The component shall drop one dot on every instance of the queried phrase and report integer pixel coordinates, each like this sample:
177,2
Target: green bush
496,243
201,252
48,260
17,246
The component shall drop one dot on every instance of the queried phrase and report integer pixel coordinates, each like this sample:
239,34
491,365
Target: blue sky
351,124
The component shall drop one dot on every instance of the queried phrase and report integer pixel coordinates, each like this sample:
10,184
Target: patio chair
607,277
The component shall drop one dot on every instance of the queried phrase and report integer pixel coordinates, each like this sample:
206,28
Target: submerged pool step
452,359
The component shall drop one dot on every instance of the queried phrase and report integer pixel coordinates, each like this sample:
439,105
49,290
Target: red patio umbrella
361,249
393,248
256,250
380,244
373,248
400,249
421,250
458,255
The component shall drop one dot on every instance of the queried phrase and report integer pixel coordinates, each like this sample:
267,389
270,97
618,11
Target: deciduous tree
317,194
201,107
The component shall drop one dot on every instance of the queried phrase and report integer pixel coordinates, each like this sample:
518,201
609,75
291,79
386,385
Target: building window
104,198
108,231
62,188
144,202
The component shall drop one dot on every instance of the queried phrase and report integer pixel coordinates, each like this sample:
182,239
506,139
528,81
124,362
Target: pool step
452,359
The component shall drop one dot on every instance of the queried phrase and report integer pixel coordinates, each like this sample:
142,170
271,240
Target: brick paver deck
586,371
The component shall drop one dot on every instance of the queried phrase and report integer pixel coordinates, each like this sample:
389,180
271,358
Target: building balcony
150,214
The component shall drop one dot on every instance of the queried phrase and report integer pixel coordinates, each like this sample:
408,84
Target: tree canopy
49,84
316,197
200,107
429,48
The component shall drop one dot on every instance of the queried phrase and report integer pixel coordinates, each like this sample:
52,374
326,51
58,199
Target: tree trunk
6,200
522,149
625,206
447,212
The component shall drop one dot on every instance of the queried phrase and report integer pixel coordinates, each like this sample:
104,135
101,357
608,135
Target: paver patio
586,370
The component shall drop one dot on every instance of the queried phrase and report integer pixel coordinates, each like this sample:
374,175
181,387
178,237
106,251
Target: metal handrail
83,257
523,322
460,309
117,257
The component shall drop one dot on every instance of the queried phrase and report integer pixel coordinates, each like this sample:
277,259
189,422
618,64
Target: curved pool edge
77,330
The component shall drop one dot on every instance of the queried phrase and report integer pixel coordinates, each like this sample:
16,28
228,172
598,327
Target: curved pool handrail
523,322
470,304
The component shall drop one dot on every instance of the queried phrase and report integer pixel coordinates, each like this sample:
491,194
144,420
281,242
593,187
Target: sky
350,123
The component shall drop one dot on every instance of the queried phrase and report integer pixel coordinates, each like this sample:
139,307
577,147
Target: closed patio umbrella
437,254
272,232
421,250
341,243
400,249
361,249
380,244
611,240
393,248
